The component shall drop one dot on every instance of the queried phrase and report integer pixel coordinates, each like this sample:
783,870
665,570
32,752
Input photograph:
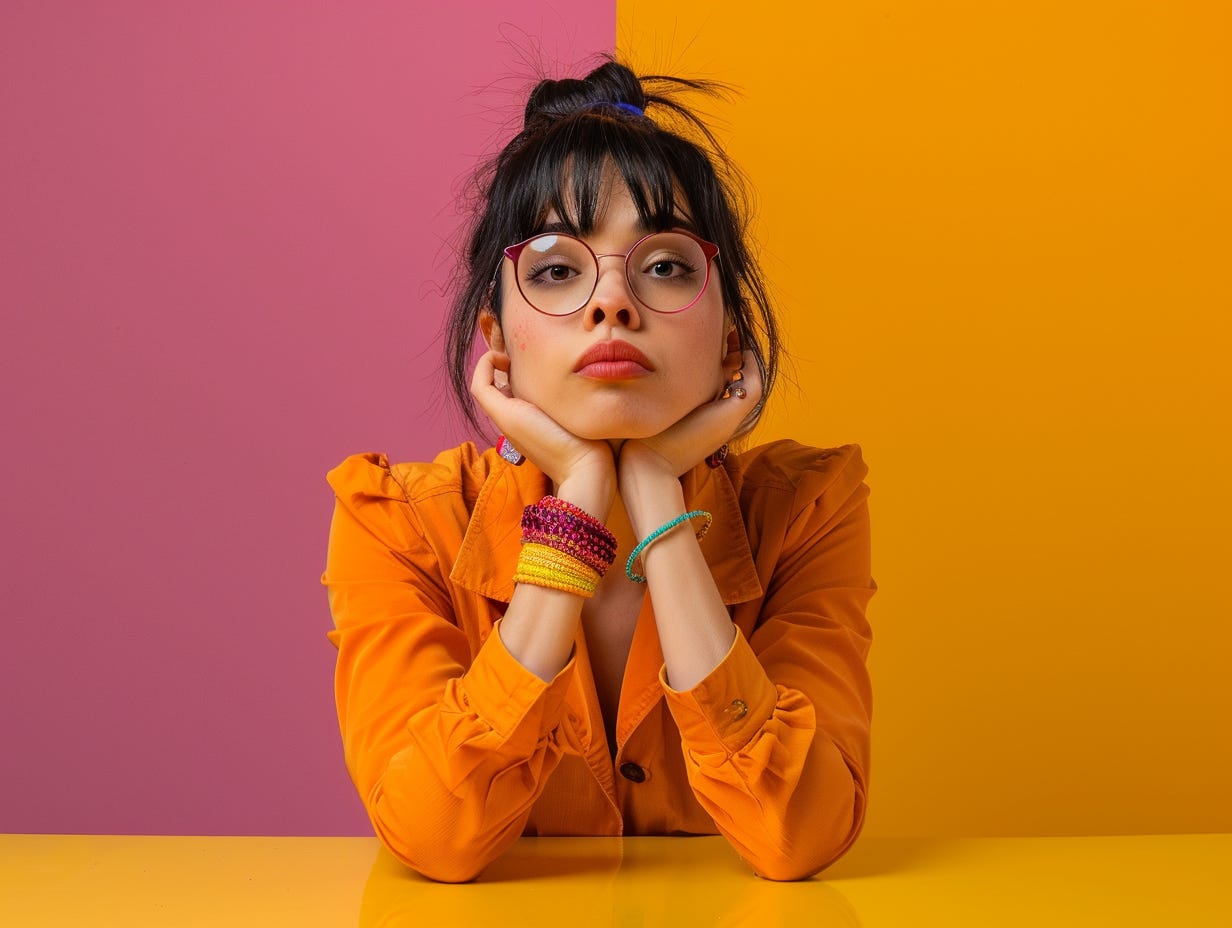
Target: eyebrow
564,228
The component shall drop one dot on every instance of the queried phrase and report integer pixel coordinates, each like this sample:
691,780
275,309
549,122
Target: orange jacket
456,749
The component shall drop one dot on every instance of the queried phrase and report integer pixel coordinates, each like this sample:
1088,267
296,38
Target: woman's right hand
582,471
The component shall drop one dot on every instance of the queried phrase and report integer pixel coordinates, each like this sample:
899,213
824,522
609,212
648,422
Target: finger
751,379
754,395
500,361
731,415
502,366
524,424
484,387
702,431
484,374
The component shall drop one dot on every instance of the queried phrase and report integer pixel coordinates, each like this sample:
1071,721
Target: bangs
566,173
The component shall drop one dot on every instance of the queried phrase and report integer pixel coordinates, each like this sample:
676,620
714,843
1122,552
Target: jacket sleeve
448,753
776,737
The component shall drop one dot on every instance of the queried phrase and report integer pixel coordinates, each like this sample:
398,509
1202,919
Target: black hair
572,132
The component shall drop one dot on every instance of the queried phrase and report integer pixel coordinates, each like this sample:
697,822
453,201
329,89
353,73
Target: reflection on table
604,881
1176,880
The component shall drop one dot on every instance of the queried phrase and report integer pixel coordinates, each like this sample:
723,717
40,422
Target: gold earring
734,388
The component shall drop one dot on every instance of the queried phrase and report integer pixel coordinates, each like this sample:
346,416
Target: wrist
592,493
651,502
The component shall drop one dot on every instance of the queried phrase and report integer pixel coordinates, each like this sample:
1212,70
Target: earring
506,450
734,388
716,459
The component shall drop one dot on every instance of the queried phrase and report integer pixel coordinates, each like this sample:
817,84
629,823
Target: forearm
450,786
764,760
777,787
775,730
539,628
541,623
695,629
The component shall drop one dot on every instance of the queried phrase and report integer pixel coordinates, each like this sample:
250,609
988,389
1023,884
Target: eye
666,266
550,270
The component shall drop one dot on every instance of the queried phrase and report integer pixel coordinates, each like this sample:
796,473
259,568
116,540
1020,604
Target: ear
490,327
733,357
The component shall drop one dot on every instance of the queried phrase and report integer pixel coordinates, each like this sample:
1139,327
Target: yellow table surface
103,880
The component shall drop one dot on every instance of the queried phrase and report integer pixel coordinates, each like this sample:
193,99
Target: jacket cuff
508,697
723,712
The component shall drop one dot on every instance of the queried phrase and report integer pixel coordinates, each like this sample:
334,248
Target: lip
613,360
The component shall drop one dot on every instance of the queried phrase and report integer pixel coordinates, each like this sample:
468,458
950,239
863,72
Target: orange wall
1001,241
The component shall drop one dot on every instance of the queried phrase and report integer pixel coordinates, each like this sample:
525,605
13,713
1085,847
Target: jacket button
633,773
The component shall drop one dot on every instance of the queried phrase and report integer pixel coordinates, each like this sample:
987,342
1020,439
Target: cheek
521,335
709,346
526,341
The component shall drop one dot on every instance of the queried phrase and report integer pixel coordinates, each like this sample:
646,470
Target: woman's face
681,354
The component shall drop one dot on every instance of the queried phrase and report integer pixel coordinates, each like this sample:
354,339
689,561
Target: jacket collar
488,556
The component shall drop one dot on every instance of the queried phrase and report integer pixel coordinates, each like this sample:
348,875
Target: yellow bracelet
557,581
540,565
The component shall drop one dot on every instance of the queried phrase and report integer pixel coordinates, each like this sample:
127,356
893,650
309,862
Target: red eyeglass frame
709,249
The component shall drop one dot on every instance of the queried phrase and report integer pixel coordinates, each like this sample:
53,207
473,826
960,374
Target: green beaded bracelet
659,533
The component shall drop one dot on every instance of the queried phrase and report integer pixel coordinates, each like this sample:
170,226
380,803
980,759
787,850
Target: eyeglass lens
557,274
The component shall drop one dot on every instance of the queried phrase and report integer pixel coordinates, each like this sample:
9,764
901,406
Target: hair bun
608,83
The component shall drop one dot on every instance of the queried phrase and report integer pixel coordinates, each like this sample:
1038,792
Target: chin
608,424
614,433
612,414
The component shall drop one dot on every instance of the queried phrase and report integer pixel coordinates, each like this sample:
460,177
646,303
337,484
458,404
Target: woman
494,678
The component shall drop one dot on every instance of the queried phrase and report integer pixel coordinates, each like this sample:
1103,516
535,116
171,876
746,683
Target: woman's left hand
684,445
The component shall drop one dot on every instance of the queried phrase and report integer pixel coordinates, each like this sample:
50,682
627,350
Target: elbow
439,858
438,861
786,874
443,870
792,865
784,870
787,867
807,847
438,848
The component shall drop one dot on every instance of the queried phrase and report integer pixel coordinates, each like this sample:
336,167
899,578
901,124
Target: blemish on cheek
520,336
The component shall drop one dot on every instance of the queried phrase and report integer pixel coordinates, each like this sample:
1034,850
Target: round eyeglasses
557,274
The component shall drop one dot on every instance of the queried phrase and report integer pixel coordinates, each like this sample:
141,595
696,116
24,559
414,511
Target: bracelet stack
564,548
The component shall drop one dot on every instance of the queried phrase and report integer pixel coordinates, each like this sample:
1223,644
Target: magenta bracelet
570,529
573,531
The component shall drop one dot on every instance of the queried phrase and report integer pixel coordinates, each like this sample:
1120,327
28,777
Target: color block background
1001,233
225,228
1000,237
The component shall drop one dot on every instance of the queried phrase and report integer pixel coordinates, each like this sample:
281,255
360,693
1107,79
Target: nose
612,301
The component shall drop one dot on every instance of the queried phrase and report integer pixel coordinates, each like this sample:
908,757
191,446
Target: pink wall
223,229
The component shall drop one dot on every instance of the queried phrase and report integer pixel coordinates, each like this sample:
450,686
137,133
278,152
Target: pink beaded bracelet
555,523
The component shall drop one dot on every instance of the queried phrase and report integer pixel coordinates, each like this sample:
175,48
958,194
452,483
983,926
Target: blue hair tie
627,107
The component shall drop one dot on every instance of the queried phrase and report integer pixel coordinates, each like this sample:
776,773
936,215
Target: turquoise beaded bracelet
659,533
